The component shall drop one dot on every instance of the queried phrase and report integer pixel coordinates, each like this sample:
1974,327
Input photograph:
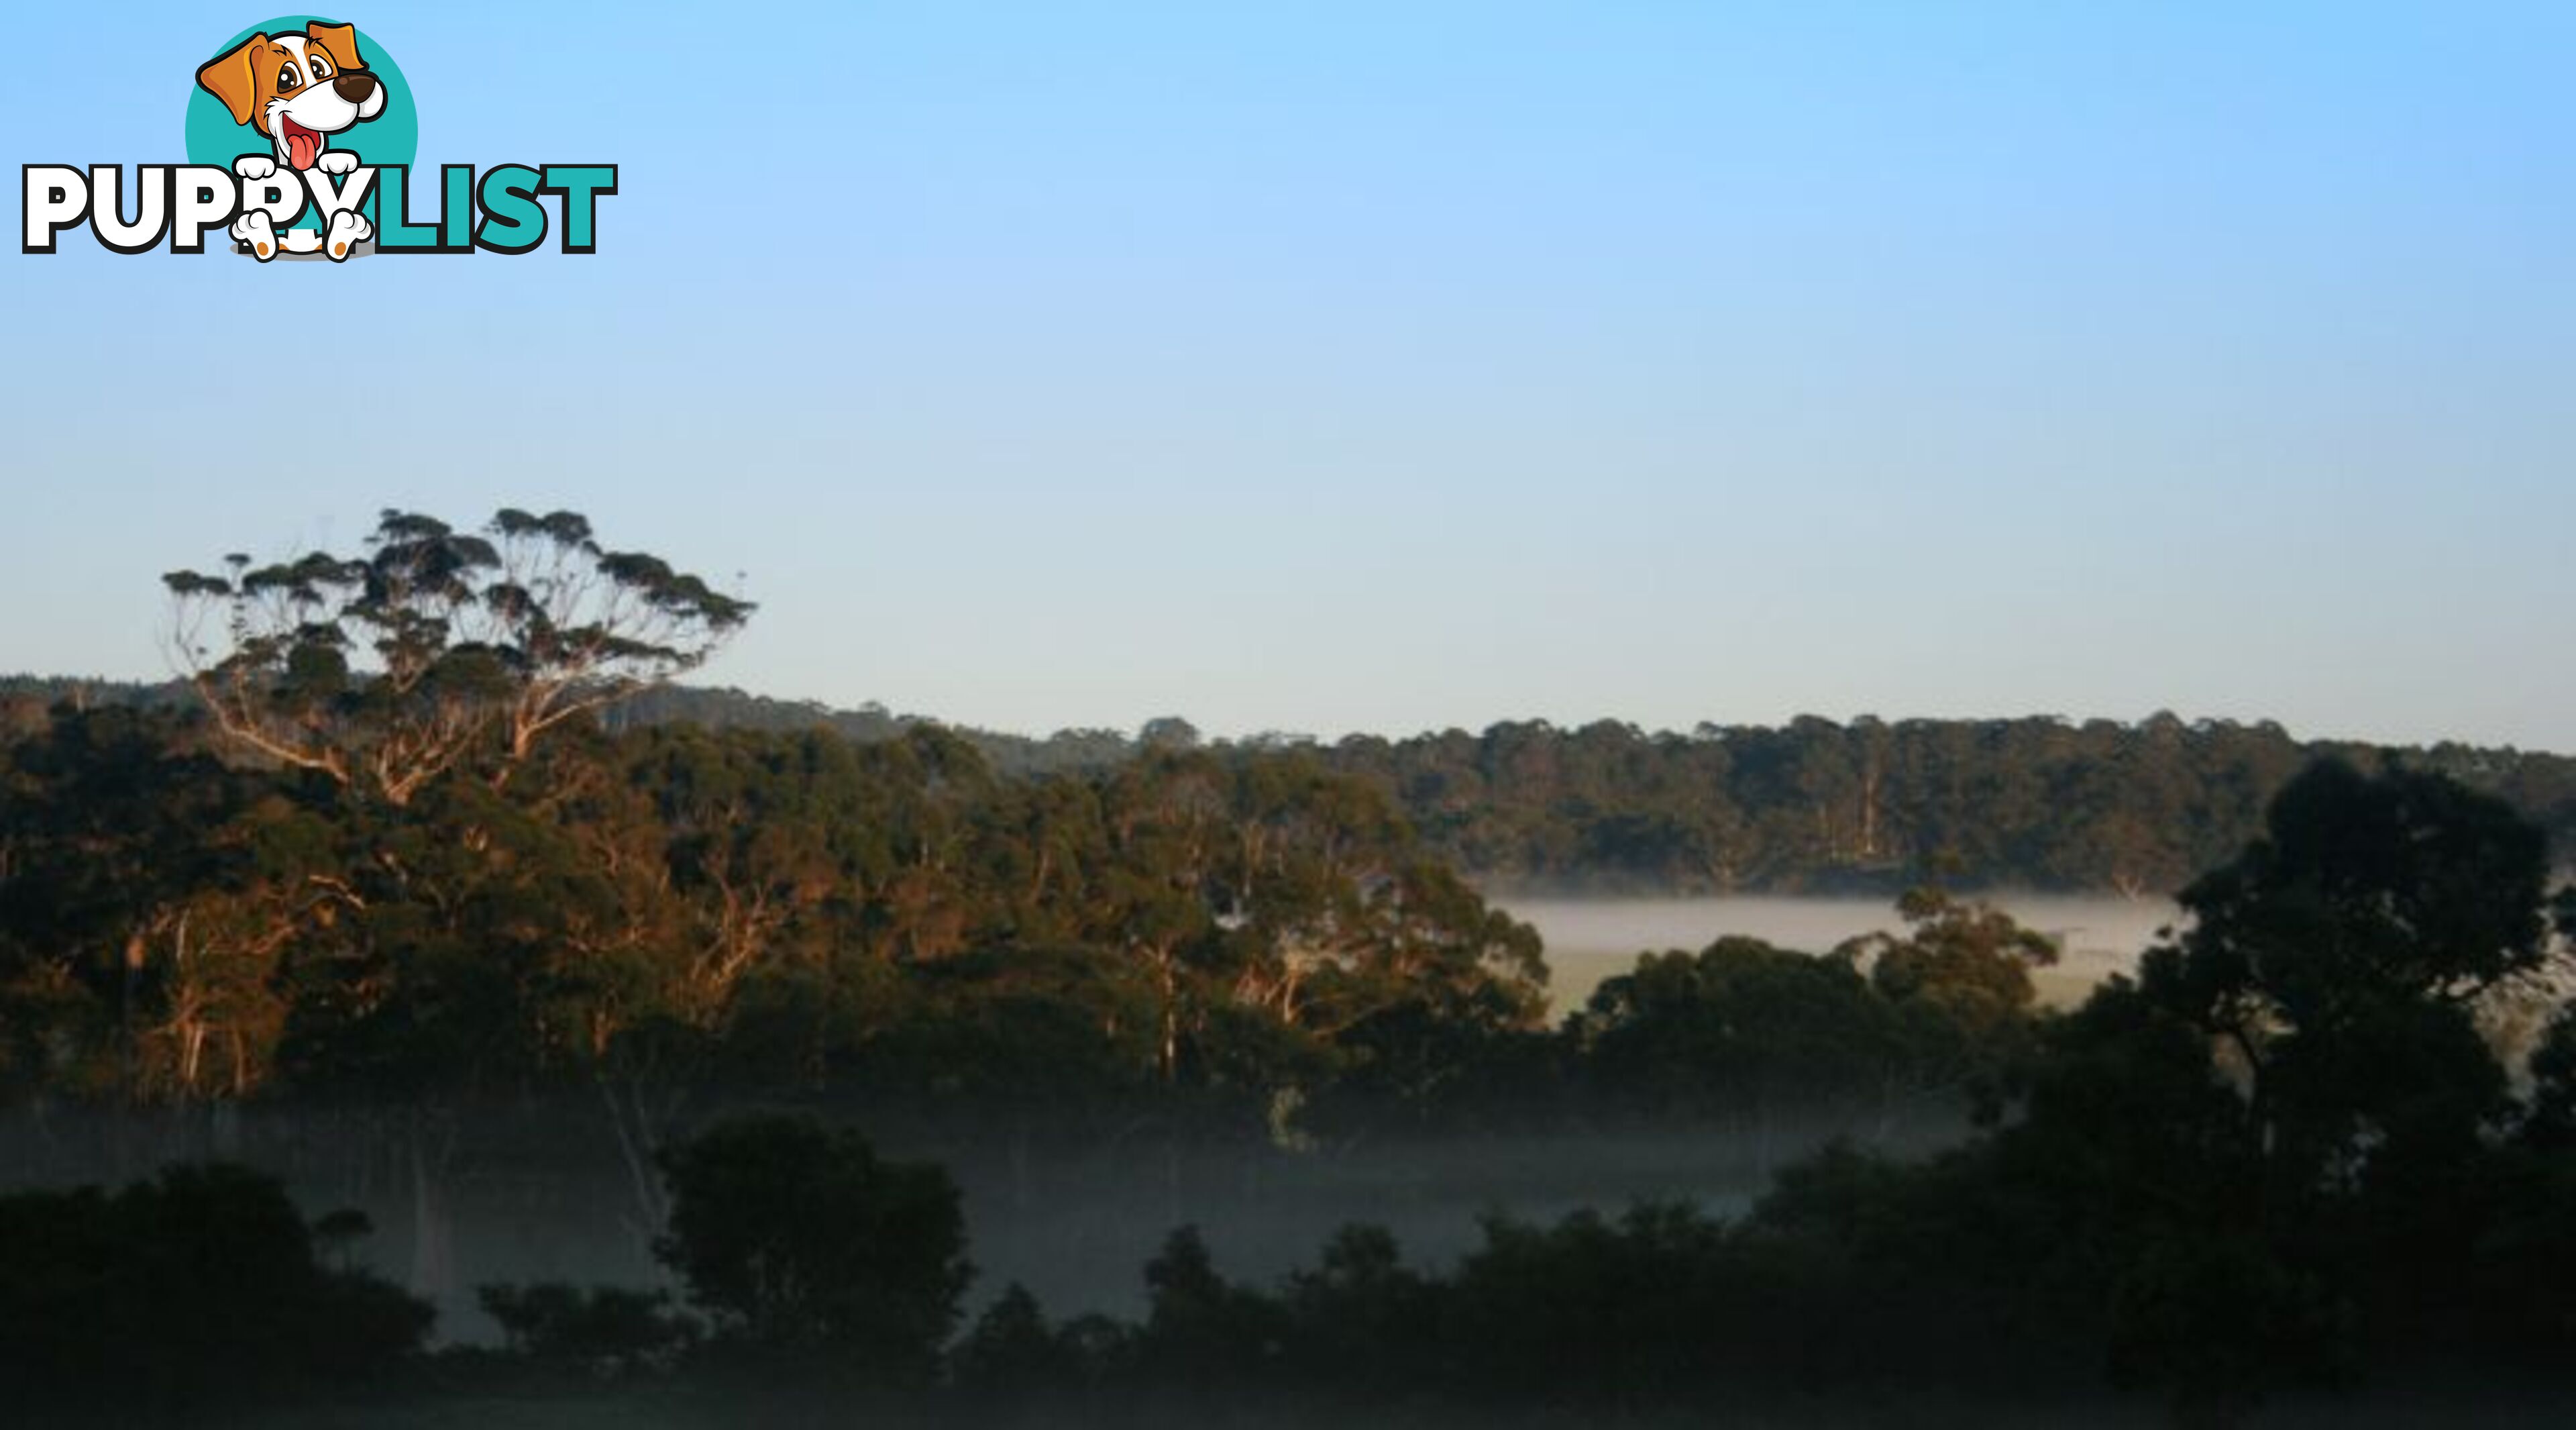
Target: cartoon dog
297,91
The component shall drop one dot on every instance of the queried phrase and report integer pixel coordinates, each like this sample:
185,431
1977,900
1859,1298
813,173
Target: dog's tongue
303,146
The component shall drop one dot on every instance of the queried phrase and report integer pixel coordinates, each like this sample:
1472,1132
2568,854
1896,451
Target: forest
1815,806
404,860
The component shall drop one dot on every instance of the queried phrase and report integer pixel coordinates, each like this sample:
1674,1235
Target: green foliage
1589,1305
437,649
2039,802
2363,889
2339,957
1361,1316
1013,1351
797,1238
1661,1304
684,907
2274,1159
1816,805
1959,984
1201,1330
1944,1011
198,1287
1739,1025
598,1332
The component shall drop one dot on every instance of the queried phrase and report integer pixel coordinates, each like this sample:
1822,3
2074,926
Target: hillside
2036,802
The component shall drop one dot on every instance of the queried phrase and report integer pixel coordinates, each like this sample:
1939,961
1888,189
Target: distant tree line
2034,803
1815,806
1870,806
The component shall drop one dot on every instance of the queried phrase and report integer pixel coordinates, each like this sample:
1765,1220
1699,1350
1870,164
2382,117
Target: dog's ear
340,42
229,78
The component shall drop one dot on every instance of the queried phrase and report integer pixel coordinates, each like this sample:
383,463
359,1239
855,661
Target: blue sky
1381,366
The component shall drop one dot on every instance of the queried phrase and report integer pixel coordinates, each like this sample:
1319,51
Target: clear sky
1390,365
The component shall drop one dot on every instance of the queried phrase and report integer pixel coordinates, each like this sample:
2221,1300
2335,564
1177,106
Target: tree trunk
433,1262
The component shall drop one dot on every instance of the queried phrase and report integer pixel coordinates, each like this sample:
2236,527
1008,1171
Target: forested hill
2037,802
1813,806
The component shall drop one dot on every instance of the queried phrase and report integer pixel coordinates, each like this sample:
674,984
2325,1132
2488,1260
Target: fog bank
1589,940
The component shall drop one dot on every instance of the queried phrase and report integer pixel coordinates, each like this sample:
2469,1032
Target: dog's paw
336,161
347,228
254,228
255,166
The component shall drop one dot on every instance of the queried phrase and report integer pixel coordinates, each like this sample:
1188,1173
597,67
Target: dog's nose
354,86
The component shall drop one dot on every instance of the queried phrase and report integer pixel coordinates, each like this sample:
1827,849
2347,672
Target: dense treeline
1255,942
679,904
2031,803
1814,806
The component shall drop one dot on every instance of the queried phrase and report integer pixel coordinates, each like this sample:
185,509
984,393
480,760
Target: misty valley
426,1012
1592,939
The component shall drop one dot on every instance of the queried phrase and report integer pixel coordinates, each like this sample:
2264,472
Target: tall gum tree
436,648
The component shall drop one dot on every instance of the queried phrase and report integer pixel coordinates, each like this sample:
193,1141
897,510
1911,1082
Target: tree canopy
389,668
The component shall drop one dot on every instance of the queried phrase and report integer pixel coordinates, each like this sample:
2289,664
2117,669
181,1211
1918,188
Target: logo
300,144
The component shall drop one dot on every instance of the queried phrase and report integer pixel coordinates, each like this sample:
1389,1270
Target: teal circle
392,137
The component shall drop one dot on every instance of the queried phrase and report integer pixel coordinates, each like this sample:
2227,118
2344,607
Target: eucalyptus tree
384,670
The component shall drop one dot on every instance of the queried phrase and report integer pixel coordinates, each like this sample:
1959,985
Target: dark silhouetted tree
196,1289
796,1237
1012,1350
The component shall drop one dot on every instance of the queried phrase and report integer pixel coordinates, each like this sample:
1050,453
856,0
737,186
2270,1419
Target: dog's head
298,90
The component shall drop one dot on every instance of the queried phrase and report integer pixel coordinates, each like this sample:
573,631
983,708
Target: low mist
1590,939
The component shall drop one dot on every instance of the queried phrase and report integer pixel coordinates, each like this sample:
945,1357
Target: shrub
794,1237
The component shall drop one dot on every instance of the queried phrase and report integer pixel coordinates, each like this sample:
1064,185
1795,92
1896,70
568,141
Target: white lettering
203,197
56,197
107,207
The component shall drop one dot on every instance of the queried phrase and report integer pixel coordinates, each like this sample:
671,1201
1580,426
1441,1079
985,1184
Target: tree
2321,1191
196,1288
1201,1329
1168,732
797,1238
1013,1351
2347,946
603,1332
120,874
1739,1028
1958,982
1361,1318
386,670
